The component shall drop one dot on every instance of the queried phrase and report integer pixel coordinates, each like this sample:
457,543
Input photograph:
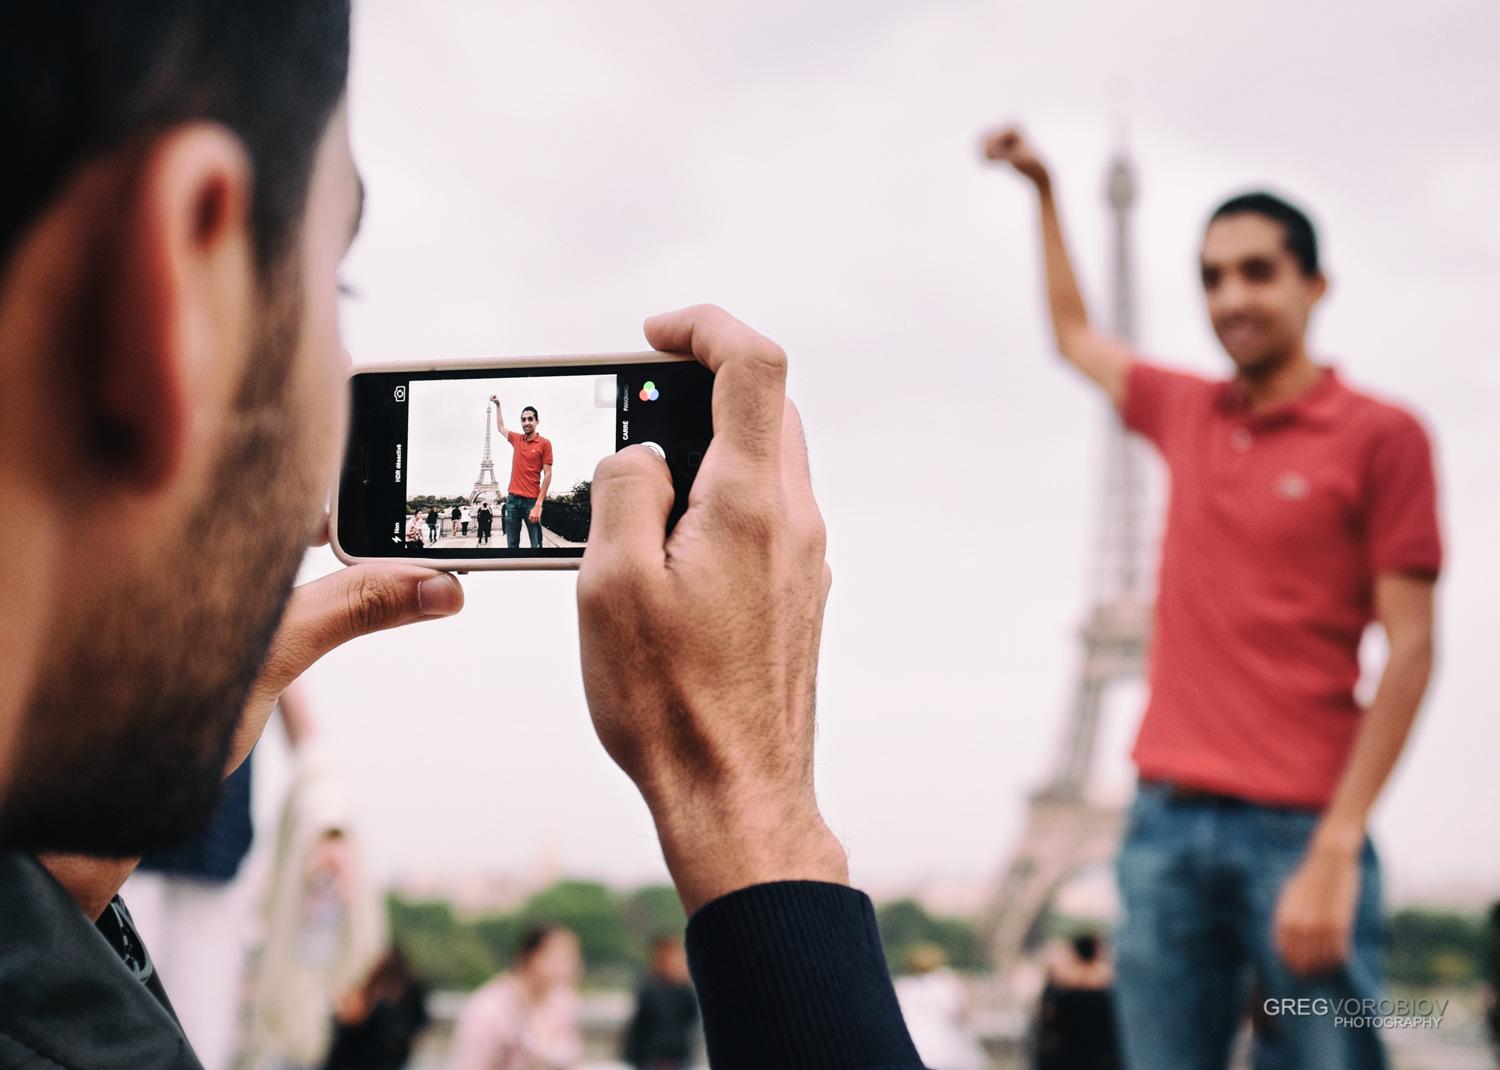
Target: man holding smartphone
178,195
530,476
1300,512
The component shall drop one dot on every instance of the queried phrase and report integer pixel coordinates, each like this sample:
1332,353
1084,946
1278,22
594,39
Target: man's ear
1317,287
178,302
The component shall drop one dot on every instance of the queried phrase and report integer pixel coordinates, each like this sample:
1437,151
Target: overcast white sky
543,176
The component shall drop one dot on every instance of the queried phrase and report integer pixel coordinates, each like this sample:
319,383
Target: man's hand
1314,917
700,651
329,612
1009,146
536,512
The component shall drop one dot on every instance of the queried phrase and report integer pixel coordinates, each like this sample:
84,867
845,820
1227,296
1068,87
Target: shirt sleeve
1403,534
1156,400
792,975
511,436
547,451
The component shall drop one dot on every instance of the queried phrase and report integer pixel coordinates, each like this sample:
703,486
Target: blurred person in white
323,924
935,1003
526,1019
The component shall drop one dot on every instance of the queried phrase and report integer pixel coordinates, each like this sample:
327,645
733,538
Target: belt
1184,793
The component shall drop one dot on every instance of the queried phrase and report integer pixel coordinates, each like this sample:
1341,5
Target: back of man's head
134,690
82,77
1301,238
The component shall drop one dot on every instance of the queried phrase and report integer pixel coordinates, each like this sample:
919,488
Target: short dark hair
1300,238
532,409
79,78
533,939
1086,947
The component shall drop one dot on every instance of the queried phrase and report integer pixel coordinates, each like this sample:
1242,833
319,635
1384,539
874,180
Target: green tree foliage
441,949
569,514
615,932
1435,947
423,502
904,924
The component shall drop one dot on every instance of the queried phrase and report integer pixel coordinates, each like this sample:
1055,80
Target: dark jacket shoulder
67,999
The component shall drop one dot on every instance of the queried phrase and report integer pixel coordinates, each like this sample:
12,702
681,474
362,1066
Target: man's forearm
1064,299
1378,743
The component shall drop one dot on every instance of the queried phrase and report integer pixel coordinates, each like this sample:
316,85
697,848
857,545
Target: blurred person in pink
526,1019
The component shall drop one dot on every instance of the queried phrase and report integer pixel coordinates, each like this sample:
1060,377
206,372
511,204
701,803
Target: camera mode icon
400,393
649,392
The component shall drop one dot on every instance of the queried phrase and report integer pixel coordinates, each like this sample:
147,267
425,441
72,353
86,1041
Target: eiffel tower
486,485
1066,831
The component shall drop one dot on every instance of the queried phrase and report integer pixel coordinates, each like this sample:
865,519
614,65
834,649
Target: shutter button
1241,440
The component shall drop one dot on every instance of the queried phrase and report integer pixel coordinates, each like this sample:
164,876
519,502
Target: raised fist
1010,146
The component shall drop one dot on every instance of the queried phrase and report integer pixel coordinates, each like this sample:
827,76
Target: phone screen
498,462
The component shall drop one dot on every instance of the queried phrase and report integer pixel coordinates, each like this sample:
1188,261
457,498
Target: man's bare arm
536,510
1315,916
1102,358
499,420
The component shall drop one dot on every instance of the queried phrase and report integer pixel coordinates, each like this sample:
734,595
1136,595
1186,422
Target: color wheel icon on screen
649,392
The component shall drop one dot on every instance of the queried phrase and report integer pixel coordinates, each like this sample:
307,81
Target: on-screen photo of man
530,476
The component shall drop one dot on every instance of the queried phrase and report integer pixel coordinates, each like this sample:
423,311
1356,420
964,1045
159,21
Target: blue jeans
1199,881
518,509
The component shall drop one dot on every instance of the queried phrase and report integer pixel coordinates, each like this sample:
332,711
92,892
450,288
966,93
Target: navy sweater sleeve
791,975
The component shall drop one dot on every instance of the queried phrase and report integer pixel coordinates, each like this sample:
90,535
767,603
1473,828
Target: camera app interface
496,463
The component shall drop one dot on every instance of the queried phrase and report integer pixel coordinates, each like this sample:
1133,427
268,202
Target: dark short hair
1086,947
532,409
79,78
533,939
1297,230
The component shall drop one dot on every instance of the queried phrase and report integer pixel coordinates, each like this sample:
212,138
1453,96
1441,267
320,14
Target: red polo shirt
526,460
1278,524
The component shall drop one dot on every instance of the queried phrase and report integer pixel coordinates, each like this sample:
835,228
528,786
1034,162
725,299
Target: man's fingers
1001,144
796,472
1310,951
631,496
749,378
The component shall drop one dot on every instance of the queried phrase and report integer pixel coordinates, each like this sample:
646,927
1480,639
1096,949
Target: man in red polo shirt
1300,512
530,476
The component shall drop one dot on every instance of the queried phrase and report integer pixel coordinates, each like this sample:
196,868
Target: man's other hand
329,612
536,513
700,651
1010,146
1314,919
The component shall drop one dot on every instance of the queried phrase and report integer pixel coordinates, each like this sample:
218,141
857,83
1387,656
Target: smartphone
488,464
